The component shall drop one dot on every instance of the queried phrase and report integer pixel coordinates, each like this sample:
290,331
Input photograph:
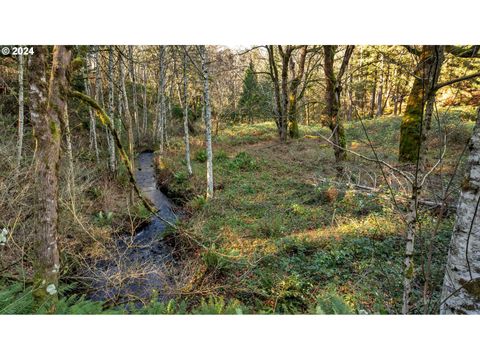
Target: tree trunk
374,93
185,112
145,110
461,286
432,78
208,121
276,87
284,98
160,125
295,80
411,220
111,109
71,167
428,68
128,118
93,132
380,90
20,111
332,102
134,92
46,113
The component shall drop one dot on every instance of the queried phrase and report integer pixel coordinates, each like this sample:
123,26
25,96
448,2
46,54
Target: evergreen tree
250,95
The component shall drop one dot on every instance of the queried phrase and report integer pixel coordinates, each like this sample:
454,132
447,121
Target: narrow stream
140,266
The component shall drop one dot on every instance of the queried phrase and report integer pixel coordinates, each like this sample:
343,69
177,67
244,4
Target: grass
283,239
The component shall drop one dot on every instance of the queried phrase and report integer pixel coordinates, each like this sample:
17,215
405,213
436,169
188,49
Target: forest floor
283,234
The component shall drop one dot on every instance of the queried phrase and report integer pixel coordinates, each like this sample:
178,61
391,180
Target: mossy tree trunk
413,127
286,84
425,95
296,77
461,286
274,75
333,91
48,103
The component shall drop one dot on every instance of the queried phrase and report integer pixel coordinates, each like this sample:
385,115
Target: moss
410,271
55,130
472,287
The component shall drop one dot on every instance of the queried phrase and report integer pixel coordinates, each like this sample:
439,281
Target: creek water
140,264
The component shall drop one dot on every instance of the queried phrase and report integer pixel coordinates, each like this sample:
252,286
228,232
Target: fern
17,299
331,303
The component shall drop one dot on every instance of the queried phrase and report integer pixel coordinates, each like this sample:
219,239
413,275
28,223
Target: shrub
243,161
201,155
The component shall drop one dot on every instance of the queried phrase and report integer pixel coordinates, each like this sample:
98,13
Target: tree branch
463,78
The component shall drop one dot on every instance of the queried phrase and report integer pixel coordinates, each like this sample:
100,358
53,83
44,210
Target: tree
48,103
461,286
249,97
128,118
185,111
161,108
134,91
296,77
208,120
427,72
20,110
285,87
333,91
429,65
111,108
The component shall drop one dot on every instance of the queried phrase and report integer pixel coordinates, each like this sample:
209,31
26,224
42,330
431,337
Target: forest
266,179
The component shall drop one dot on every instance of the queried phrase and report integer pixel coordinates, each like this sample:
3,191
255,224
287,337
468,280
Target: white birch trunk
185,113
21,116
461,286
134,92
111,107
93,133
208,121
128,117
145,111
71,167
160,125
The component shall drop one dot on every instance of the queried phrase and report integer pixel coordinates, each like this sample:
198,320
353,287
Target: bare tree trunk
93,132
111,109
145,110
160,126
185,113
20,111
128,118
71,167
208,121
461,286
374,92
47,112
134,92
411,220
380,90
